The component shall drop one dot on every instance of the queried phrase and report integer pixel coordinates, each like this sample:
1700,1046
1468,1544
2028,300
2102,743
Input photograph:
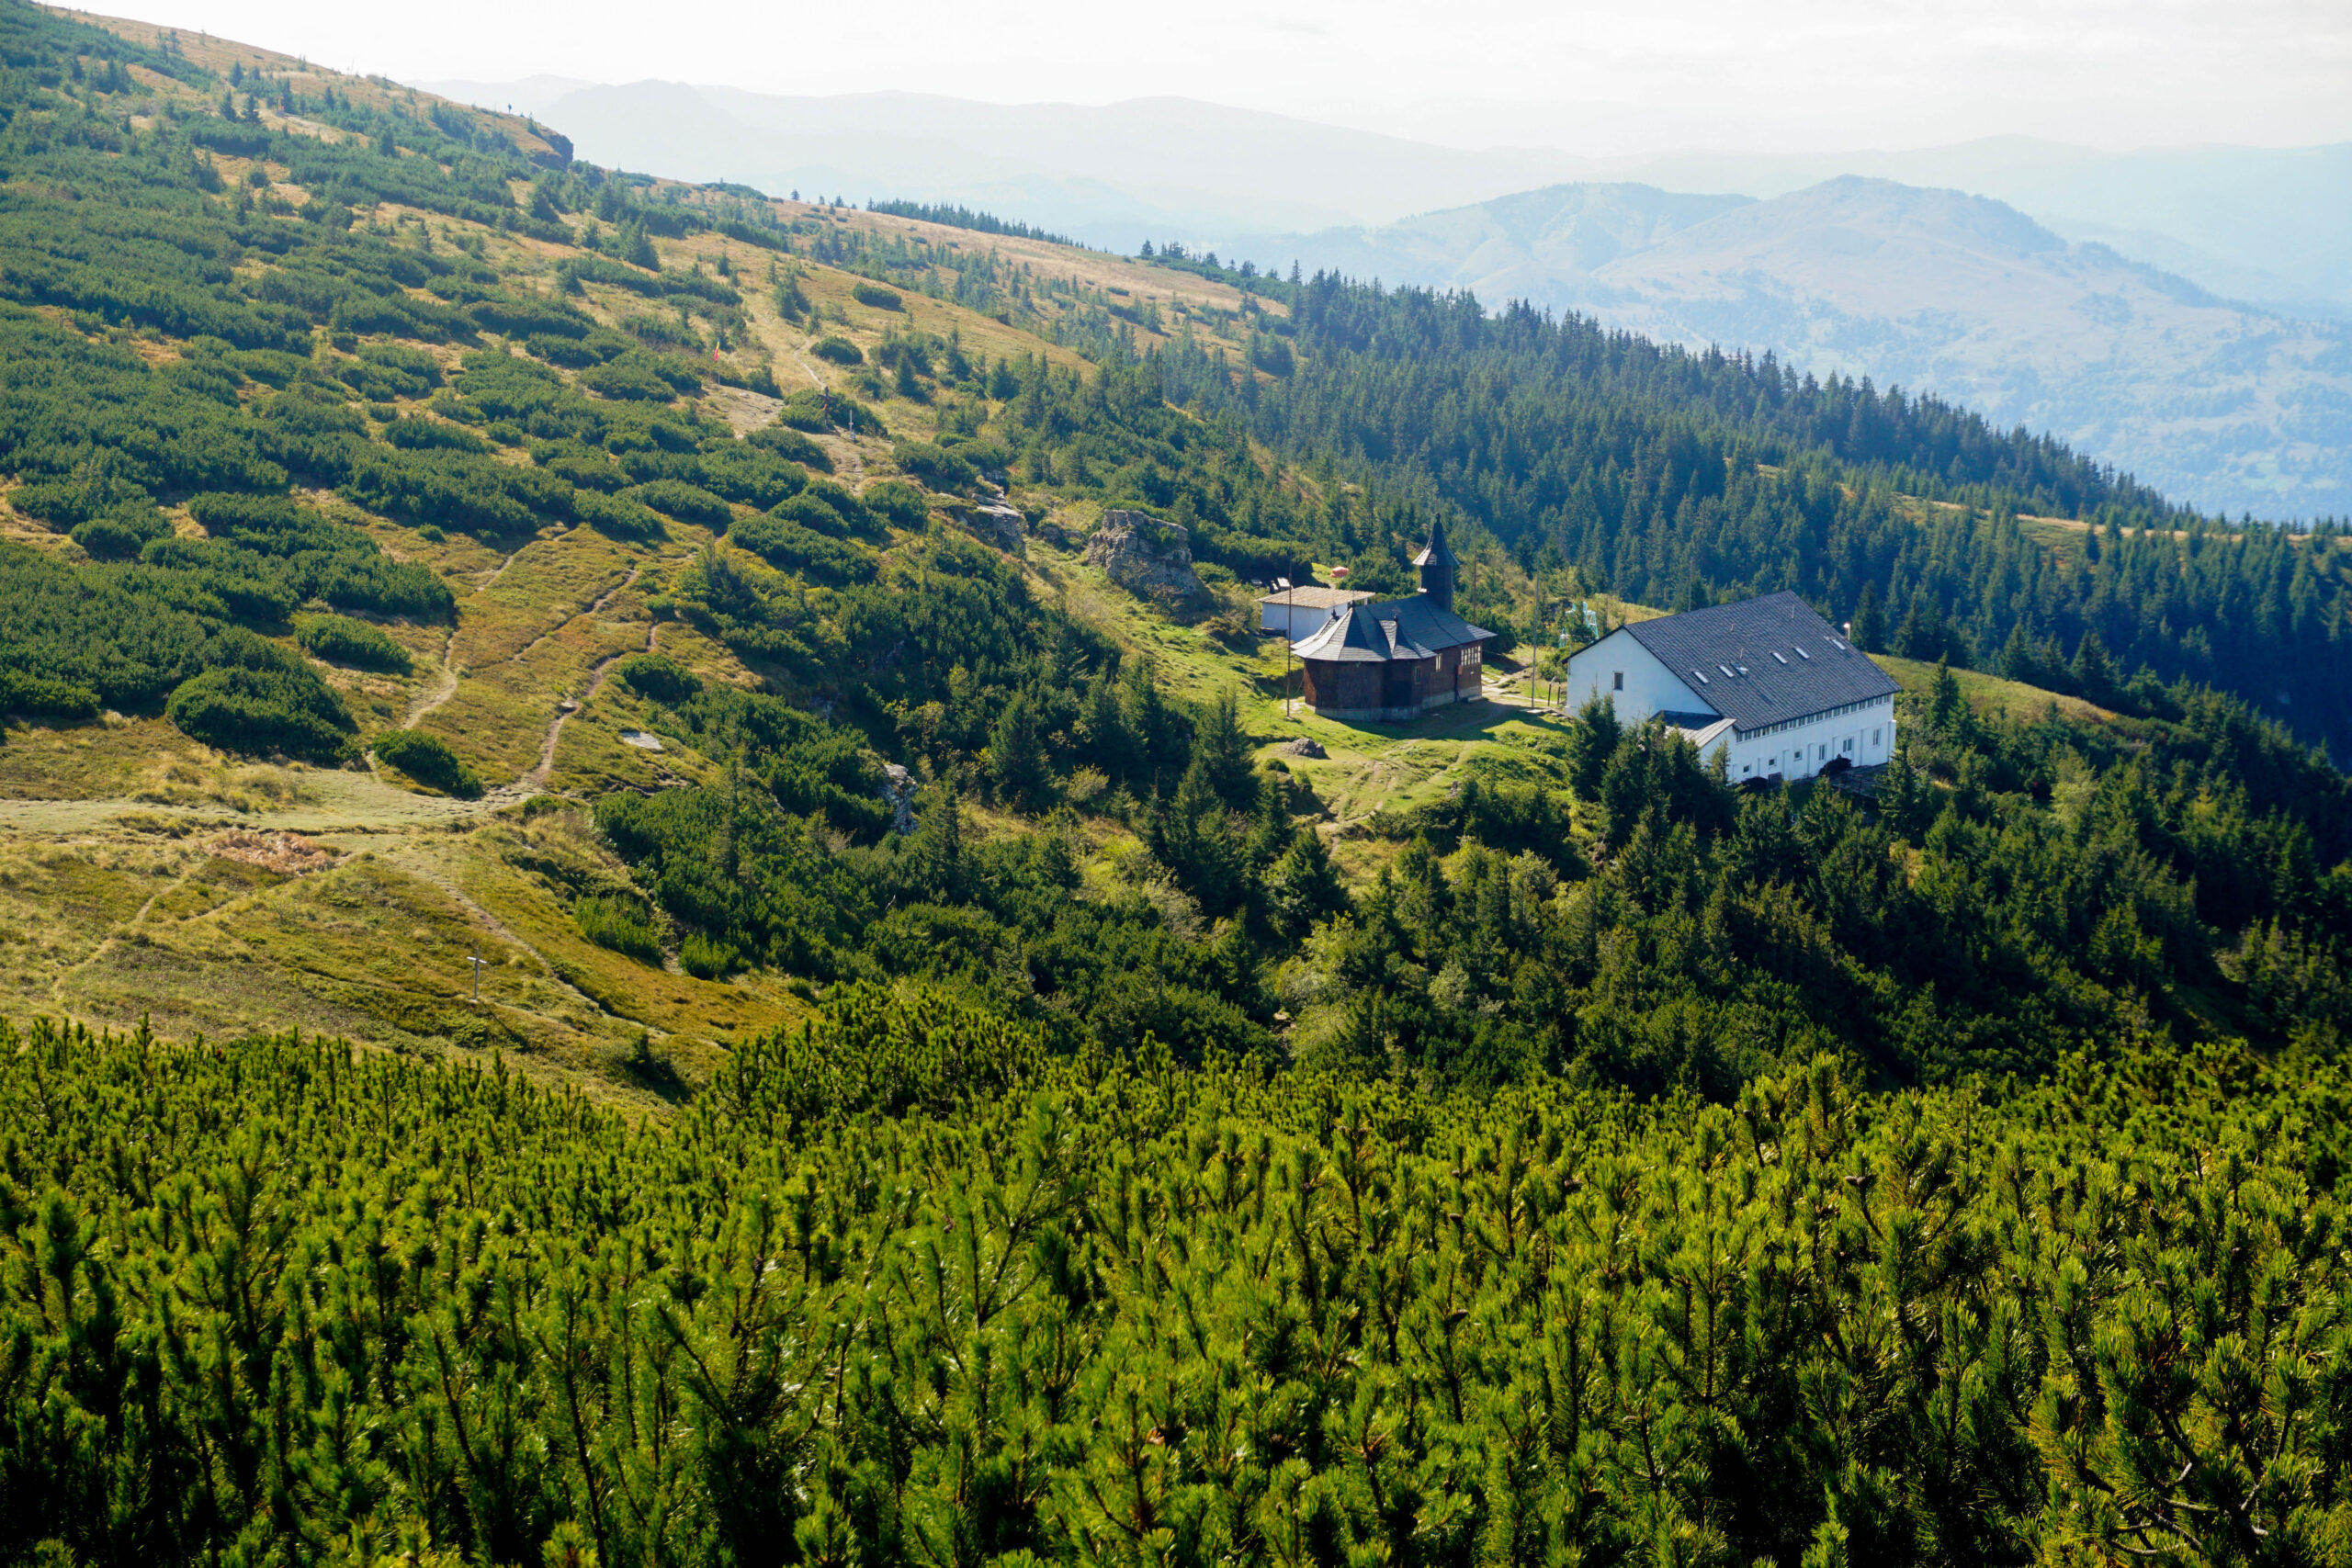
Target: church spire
1437,564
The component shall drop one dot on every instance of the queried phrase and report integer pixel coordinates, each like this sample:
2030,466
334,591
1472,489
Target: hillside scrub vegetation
1188,1315
339,639
428,760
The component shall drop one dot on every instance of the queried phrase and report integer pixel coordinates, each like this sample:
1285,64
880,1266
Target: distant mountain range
2217,403
2272,227
2185,314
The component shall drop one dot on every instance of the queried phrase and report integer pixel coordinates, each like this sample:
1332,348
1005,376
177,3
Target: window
1847,745
1617,680
1875,741
1746,768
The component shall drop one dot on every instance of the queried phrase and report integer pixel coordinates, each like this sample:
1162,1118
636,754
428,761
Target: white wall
1649,687
1296,622
1865,737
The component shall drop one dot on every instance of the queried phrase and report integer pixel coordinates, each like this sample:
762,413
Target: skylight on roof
1726,670
1779,655
1701,673
1803,654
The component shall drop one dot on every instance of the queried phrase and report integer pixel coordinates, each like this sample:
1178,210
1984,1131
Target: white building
1766,679
1299,613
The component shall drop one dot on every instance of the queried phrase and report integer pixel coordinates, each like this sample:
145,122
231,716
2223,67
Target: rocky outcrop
1002,526
899,794
1149,558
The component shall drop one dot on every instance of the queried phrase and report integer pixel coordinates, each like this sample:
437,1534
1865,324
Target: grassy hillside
212,890
138,842
421,548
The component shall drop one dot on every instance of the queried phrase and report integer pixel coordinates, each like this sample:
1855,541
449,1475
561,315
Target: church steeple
1437,564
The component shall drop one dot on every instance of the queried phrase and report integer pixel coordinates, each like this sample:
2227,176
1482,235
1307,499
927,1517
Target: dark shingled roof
1763,660
1411,628
1435,551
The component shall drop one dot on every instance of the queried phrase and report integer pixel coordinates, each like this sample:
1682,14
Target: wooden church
1388,660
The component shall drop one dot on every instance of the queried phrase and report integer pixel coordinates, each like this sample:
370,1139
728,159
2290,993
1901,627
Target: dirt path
857,457
444,687
106,943
499,570
537,778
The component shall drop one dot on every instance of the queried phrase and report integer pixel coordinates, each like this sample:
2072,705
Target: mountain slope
2272,226
423,547
2219,404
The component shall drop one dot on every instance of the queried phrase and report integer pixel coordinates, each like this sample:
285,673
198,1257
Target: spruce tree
1016,757
1592,743
1870,622
1223,750
1191,837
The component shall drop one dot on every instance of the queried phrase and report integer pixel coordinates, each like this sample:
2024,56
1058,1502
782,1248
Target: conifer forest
1138,1138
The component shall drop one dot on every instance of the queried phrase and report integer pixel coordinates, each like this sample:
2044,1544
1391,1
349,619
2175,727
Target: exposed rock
898,794
1305,745
1002,526
1148,558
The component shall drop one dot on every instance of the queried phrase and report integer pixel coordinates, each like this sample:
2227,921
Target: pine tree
1016,756
2019,660
1870,622
1947,710
1592,743
2092,673
937,846
1191,837
1303,886
1223,750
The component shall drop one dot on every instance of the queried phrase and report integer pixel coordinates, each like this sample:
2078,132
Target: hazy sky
1590,76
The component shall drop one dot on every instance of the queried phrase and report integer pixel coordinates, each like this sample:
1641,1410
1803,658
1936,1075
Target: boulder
1149,558
1002,526
1305,745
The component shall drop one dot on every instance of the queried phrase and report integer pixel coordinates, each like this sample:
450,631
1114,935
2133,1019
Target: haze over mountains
2219,404
2185,313
2270,226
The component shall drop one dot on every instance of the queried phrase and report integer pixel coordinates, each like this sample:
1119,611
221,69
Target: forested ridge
1677,479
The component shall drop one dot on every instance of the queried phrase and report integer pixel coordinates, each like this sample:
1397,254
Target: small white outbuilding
1299,613
1767,680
